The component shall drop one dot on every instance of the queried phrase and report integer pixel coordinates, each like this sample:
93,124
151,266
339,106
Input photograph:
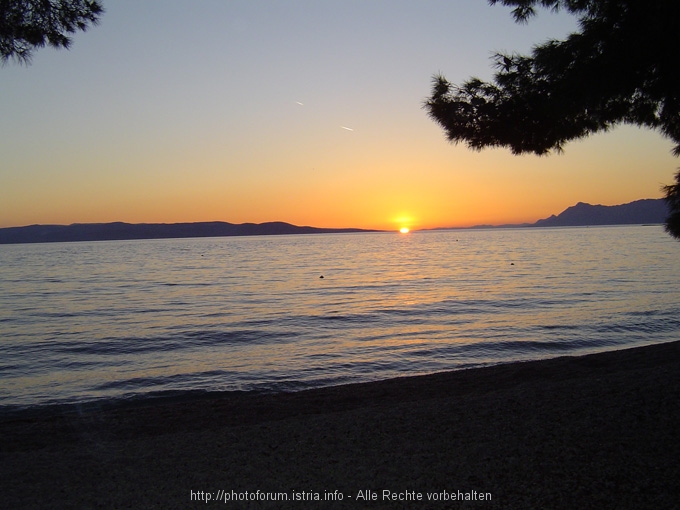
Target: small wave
182,341
543,346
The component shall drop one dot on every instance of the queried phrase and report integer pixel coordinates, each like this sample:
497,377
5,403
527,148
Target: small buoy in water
321,276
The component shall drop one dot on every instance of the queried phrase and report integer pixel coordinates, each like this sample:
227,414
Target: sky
304,111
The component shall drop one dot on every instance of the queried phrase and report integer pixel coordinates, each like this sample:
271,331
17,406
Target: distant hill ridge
648,211
638,212
119,231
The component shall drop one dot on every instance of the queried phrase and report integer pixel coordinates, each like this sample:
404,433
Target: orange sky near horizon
241,116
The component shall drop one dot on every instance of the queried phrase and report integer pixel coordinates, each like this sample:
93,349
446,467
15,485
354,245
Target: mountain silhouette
638,212
646,211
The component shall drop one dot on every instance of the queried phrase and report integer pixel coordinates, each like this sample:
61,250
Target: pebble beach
594,431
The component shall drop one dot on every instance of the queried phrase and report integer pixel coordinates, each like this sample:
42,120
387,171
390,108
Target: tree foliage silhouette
29,24
622,66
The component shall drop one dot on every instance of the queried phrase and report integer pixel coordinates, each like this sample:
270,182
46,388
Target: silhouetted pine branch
621,67
29,24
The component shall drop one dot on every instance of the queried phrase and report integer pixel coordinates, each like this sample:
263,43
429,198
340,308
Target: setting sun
404,230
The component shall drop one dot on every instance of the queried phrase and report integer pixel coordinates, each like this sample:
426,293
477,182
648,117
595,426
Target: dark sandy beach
597,431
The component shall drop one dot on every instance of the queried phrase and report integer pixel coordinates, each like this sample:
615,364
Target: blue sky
190,111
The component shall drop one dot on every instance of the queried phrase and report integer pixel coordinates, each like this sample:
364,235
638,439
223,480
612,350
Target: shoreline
593,431
165,398
171,397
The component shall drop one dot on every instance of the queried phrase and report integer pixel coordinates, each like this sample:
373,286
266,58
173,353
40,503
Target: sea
91,322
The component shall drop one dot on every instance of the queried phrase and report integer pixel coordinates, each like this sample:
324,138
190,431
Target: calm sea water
81,322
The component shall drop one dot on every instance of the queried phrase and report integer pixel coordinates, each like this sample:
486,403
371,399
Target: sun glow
404,230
